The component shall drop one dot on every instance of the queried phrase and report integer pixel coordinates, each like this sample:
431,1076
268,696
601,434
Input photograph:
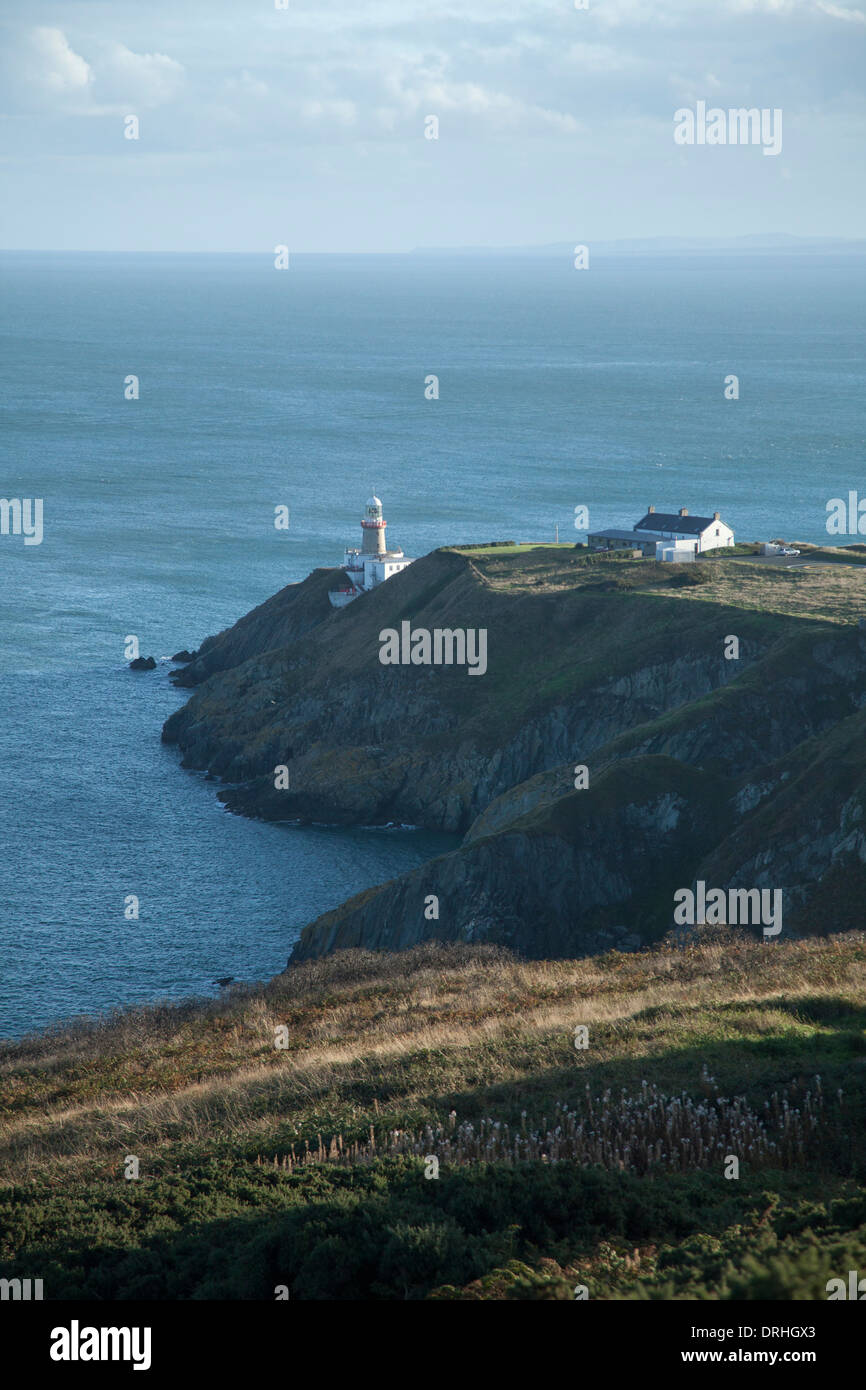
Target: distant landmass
757,243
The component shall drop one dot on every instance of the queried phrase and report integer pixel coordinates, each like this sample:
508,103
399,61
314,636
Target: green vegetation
510,547
726,552
834,555
448,1038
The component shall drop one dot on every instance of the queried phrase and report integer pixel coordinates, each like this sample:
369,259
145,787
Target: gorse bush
383,1231
691,576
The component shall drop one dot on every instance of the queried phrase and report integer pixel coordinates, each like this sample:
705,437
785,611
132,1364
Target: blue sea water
305,387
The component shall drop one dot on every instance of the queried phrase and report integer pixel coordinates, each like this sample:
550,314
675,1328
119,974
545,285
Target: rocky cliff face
688,753
580,878
274,625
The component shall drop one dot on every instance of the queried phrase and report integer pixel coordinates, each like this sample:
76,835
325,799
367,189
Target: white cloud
496,111
47,74
422,86
769,6
51,63
145,79
839,12
616,13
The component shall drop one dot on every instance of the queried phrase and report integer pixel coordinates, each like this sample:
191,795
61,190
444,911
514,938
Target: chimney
650,508
684,511
715,516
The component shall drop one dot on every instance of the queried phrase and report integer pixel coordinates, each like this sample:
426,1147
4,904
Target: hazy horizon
745,241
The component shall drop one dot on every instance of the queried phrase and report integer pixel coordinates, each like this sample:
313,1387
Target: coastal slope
619,667
305,1167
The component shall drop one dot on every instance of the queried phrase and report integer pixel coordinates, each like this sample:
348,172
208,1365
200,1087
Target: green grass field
515,549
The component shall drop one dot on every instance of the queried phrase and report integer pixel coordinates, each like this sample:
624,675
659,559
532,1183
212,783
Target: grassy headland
309,1165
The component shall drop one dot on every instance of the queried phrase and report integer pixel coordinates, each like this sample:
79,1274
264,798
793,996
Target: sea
482,397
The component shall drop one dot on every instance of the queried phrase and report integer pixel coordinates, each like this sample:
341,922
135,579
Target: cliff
744,772
277,623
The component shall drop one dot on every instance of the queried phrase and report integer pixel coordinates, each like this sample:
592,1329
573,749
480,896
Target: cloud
800,8
49,62
539,68
417,87
839,12
41,71
598,57
341,113
141,79
247,85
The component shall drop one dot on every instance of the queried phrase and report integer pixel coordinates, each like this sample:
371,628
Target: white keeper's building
667,535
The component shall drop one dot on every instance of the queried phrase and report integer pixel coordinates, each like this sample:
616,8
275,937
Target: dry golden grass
411,1030
833,593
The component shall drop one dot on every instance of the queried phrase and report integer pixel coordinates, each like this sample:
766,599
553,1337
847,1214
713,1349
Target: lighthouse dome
373,501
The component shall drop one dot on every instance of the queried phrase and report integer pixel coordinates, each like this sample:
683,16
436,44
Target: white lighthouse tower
373,529
373,563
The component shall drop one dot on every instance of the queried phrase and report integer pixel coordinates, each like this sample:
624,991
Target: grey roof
671,521
613,533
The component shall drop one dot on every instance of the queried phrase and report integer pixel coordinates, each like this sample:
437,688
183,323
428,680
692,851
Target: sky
260,126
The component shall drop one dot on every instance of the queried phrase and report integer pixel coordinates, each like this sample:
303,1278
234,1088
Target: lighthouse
370,566
373,528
